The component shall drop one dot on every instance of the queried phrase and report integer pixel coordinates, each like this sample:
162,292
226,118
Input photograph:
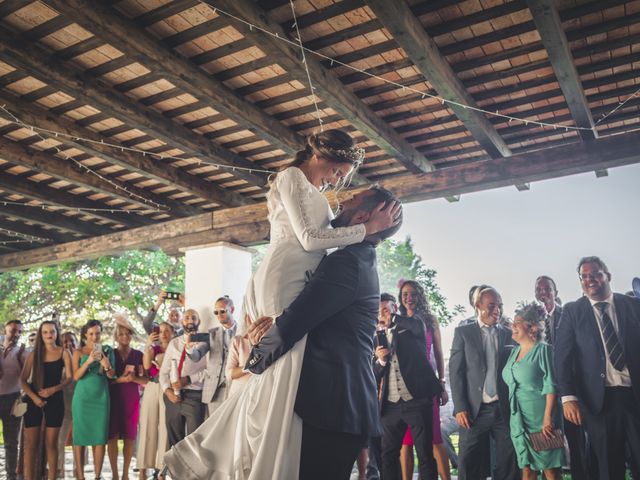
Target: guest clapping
46,372
532,394
125,396
153,440
92,367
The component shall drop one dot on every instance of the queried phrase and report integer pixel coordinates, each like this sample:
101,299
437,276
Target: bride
255,434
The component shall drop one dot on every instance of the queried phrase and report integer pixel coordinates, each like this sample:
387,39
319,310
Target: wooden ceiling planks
498,54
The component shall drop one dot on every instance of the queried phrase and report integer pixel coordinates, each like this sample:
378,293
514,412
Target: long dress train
255,433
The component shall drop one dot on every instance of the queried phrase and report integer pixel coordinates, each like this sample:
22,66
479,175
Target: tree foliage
96,288
398,260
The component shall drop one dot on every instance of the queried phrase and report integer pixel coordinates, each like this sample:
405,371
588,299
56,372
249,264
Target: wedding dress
255,434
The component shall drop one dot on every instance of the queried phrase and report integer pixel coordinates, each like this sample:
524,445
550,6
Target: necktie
547,329
492,368
611,342
182,357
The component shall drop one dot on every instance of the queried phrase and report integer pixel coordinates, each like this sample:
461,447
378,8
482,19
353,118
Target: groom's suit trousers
328,455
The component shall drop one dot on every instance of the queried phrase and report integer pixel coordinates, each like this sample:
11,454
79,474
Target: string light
158,206
24,236
123,148
10,242
306,67
620,105
51,206
424,94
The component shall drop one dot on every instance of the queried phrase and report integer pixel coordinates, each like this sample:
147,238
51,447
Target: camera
173,296
199,337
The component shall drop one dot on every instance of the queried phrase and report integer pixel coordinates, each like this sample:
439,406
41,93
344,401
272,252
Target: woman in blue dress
532,395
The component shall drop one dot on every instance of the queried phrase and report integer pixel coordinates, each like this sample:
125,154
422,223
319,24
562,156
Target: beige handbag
19,407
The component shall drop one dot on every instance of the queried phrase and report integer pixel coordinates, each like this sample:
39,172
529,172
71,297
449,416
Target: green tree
96,288
398,260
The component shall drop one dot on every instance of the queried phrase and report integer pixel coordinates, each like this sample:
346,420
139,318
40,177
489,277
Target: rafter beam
92,91
606,152
138,45
407,30
53,219
41,192
146,166
547,19
60,169
36,231
328,86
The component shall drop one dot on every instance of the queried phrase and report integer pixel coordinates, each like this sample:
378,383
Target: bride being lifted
255,433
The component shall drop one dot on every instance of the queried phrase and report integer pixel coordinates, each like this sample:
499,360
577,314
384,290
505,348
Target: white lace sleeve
296,198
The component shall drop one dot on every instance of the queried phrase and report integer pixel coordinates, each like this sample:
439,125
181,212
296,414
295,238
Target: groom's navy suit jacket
338,309
580,354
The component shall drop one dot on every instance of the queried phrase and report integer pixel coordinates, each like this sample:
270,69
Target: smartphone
97,348
199,337
129,369
173,296
381,338
156,328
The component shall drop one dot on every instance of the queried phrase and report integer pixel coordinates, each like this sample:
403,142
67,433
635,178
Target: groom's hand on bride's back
258,328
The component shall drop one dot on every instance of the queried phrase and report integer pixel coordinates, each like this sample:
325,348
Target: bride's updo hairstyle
334,146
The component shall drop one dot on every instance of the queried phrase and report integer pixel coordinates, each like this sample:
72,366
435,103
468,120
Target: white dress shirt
195,370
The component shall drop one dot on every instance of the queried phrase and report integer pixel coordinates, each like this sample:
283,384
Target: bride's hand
258,328
383,217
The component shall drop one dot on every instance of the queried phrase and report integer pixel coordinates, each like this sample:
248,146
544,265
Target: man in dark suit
480,396
336,397
407,387
597,360
546,293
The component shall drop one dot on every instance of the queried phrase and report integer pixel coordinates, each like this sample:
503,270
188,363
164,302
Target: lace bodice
297,210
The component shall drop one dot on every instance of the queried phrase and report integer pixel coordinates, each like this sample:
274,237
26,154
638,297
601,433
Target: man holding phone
175,315
216,343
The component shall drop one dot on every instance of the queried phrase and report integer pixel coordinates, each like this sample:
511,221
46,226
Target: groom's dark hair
381,195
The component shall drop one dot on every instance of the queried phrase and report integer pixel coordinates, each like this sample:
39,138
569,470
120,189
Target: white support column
212,271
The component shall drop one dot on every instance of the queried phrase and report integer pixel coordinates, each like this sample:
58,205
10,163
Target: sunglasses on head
220,312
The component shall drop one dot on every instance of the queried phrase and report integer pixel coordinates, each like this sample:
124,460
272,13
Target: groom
336,399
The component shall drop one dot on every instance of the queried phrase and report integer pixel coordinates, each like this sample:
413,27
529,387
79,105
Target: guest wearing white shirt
183,397
598,368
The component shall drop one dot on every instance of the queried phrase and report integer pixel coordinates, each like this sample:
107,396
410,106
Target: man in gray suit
480,396
214,390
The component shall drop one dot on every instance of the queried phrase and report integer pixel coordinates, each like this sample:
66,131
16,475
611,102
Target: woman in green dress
92,370
532,396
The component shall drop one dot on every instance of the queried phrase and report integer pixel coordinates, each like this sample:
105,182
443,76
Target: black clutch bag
541,443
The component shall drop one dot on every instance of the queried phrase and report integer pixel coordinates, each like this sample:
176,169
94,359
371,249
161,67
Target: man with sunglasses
598,368
214,390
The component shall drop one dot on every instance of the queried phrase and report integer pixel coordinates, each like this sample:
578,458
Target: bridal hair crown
354,154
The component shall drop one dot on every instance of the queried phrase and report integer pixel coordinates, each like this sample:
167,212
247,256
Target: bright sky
507,238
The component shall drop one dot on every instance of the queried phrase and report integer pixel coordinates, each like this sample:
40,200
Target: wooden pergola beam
127,36
328,86
41,192
53,219
547,19
397,17
36,231
146,166
60,169
95,92
606,152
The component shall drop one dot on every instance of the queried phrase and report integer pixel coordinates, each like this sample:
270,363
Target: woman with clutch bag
532,398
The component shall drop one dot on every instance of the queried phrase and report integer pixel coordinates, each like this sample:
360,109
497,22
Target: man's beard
190,328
